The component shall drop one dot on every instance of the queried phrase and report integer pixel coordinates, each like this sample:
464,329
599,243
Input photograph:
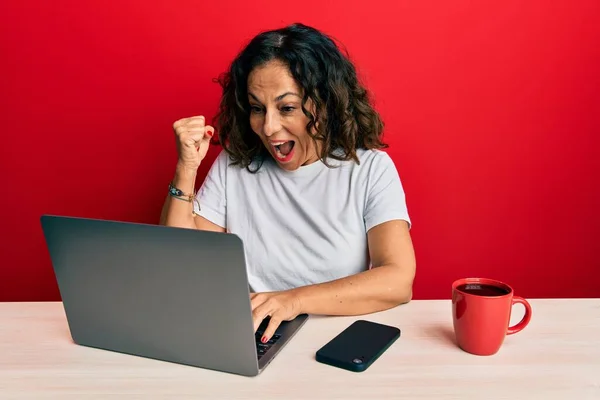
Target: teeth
279,155
276,146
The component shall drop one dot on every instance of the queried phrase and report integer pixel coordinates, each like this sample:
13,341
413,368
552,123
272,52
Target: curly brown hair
344,118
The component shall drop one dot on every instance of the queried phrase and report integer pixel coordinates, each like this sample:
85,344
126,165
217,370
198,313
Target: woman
301,180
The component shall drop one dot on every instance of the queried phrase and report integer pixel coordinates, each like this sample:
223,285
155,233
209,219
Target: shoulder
373,155
379,170
374,161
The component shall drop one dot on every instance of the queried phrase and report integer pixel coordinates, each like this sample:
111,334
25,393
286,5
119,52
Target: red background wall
492,112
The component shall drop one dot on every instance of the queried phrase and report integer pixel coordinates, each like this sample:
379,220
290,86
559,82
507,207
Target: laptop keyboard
262,348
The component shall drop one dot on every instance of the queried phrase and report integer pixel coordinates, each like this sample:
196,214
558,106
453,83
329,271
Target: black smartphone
358,346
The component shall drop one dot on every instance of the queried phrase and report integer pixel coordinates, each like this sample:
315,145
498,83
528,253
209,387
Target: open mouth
284,151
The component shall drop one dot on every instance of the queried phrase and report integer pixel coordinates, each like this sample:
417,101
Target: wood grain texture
556,357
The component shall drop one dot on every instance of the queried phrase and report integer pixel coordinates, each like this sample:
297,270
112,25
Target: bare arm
193,140
176,212
386,285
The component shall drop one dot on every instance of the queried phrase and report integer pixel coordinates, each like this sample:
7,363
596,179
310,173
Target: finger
259,314
256,300
183,129
195,128
195,123
271,328
179,123
195,138
198,119
197,135
187,127
209,132
195,120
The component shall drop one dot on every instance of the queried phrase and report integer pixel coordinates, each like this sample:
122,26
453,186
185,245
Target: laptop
171,294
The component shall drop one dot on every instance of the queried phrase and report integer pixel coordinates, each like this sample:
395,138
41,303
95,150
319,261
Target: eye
255,109
287,109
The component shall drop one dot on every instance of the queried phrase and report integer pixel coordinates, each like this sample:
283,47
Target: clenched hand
193,140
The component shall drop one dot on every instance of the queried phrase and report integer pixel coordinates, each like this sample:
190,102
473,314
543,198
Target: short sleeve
385,195
211,199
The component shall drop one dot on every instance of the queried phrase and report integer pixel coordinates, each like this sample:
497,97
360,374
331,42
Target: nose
272,123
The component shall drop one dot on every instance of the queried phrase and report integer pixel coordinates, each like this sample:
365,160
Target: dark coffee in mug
479,289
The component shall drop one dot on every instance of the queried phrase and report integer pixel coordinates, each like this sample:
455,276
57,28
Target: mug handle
525,320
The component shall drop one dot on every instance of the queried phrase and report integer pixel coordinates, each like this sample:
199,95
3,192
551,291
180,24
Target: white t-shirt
305,226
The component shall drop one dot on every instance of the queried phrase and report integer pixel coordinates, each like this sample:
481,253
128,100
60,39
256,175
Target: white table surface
556,357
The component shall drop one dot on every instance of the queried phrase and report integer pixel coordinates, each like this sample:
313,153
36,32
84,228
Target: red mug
481,311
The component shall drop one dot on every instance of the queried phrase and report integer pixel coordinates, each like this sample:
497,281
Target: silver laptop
171,294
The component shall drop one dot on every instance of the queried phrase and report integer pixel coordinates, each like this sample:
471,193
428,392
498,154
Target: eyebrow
278,98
